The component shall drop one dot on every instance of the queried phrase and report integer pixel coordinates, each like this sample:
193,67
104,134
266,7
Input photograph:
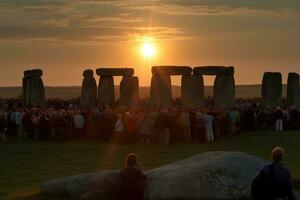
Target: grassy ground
24,165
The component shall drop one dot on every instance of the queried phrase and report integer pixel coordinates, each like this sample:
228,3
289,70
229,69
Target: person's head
131,160
277,154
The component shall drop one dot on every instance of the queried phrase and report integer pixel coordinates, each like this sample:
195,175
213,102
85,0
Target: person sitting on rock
132,179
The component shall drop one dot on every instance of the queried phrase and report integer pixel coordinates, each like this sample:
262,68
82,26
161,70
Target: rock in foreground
212,175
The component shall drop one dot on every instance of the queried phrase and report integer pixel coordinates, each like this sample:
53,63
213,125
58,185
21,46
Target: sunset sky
64,37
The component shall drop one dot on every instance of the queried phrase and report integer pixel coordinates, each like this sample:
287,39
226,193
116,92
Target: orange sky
64,37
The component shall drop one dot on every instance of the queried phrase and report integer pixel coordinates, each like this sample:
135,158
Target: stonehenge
88,97
224,85
161,90
192,85
271,89
293,90
128,86
33,88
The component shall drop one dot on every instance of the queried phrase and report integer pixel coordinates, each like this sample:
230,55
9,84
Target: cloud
120,20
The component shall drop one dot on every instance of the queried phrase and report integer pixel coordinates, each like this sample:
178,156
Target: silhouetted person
132,180
275,179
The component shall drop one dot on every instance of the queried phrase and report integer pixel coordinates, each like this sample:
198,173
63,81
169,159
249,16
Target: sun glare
148,49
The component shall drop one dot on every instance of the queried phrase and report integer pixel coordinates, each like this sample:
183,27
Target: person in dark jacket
280,174
132,179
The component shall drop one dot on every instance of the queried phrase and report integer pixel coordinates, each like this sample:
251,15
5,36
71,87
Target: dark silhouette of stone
213,70
272,89
129,91
88,97
171,70
192,91
88,73
106,90
160,90
293,90
224,91
115,71
33,88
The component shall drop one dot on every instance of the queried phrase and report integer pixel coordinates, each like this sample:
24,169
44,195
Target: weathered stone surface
211,175
293,89
272,89
88,97
33,88
106,90
115,71
224,91
213,70
103,185
129,91
171,70
88,73
192,91
160,91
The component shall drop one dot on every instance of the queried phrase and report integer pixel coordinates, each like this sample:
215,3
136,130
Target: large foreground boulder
212,175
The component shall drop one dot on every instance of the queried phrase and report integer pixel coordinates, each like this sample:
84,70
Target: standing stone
192,91
106,90
272,89
33,88
26,88
160,91
88,90
224,91
129,91
293,96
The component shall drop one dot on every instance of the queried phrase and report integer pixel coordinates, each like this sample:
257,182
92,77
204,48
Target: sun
148,49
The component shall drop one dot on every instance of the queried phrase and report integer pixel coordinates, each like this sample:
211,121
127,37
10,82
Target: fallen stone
213,70
192,91
115,72
224,91
211,175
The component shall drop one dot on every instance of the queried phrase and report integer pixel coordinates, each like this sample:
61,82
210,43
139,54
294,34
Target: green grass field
27,164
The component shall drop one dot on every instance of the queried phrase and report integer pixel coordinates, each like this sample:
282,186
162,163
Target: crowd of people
65,120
